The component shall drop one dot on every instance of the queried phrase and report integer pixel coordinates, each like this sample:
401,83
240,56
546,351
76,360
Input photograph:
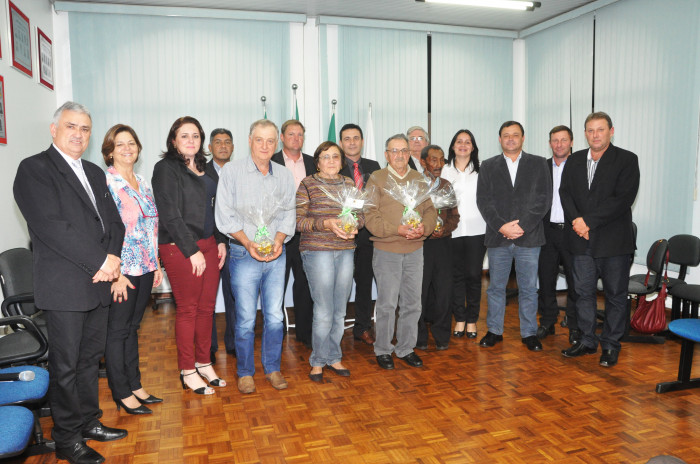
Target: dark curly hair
200,159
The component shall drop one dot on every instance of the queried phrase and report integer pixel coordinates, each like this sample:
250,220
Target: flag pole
296,104
263,99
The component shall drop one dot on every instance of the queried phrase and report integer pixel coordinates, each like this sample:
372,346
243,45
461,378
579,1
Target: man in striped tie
359,169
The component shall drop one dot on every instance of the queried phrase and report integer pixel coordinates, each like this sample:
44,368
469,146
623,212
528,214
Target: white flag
370,148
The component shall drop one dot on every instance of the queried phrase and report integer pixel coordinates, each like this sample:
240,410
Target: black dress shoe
575,336
459,333
543,331
79,453
471,334
577,350
340,372
385,361
609,358
140,409
150,400
103,433
318,378
440,347
412,359
532,343
422,346
490,339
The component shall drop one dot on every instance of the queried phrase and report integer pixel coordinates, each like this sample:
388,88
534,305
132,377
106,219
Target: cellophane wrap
410,195
350,199
443,198
261,213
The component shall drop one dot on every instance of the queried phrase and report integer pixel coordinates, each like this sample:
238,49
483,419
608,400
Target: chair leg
40,445
685,364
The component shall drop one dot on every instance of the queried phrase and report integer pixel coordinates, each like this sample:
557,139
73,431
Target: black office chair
17,282
684,251
656,258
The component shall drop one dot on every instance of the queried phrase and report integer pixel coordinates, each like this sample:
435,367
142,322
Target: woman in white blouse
468,249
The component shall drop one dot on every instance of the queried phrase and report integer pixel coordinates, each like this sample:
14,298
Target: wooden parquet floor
468,404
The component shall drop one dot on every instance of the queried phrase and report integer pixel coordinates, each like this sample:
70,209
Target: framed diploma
20,33
45,50
3,129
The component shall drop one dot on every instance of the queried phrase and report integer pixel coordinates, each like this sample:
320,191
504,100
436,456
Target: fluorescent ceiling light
508,4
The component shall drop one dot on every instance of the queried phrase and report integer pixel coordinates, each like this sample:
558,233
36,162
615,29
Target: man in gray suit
514,192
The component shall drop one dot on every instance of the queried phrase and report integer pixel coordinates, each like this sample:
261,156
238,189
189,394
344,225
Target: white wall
29,107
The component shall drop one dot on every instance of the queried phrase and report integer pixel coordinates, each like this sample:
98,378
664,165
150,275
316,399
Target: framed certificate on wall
3,129
21,40
45,51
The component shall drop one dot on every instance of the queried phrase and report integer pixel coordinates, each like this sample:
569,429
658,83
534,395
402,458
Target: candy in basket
410,195
261,215
442,198
350,199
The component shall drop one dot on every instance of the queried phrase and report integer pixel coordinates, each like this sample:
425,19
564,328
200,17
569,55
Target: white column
63,85
520,82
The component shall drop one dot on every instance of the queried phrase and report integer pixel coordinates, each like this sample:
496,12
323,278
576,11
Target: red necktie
357,176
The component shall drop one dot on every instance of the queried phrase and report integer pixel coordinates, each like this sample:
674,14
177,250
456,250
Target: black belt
233,241
557,225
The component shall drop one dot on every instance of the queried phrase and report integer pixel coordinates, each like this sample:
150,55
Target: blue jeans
500,262
330,280
250,278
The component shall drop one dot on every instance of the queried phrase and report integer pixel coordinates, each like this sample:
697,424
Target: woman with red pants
188,249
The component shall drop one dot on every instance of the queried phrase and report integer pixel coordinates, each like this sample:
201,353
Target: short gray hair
425,134
395,137
70,106
263,123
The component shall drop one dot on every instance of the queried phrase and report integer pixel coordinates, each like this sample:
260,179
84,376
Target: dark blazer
607,207
309,164
210,170
499,201
548,231
366,165
179,196
411,163
69,244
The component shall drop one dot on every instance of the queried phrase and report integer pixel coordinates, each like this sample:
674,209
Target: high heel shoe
217,382
150,400
136,411
200,390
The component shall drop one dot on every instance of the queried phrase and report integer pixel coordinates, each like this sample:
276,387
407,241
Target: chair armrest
10,300
30,327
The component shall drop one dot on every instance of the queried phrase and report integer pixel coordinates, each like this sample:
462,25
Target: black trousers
467,263
303,304
230,313
76,345
614,272
552,254
122,349
436,292
363,274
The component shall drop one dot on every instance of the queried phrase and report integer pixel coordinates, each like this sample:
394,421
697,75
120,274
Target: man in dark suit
417,140
301,165
77,236
556,250
359,169
221,149
513,193
598,188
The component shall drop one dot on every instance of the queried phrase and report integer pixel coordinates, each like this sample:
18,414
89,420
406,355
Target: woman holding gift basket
329,212
191,256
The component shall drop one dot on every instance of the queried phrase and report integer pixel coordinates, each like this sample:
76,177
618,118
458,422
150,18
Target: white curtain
647,78
472,88
385,67
146,71
559,82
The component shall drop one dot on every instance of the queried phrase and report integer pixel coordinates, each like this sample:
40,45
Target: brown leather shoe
277,380
365,337
246,384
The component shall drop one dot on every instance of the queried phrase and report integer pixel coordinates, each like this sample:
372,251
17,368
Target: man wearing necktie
77,235
359,169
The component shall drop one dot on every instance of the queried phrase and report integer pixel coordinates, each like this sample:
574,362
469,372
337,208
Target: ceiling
396,10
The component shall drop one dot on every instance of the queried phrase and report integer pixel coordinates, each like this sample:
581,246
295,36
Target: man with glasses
221,149
245,182
513,193
417,140
359,169
300,165
398,258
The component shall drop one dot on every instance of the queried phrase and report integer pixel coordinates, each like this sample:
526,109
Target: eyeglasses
396,151
416,139
329,157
